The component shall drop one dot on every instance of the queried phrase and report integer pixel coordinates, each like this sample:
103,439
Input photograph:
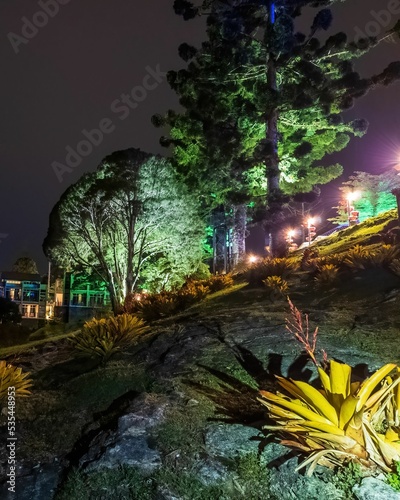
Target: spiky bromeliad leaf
12,376
341,420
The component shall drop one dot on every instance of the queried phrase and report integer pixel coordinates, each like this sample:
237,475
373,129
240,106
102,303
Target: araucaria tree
263,102
124,220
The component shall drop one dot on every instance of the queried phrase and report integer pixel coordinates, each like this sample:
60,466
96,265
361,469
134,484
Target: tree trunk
239,233
277,244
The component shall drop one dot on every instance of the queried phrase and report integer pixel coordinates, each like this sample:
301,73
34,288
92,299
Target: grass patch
183,429
119,484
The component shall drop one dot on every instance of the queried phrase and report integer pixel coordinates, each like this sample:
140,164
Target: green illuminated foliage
127,222
374,197
263,103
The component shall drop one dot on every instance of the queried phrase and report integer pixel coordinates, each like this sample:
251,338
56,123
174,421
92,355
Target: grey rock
287,484
210,471
229,441
39,484
129,443
372,488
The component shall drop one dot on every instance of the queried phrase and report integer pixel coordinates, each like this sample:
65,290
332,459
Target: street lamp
252,259
350,197
310,229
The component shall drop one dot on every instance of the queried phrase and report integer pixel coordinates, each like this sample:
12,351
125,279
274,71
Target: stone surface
40,484
229,441
372,488
129,443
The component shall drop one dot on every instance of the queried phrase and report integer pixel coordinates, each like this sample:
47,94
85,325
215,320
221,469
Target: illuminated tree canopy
125,219
262,102
374,194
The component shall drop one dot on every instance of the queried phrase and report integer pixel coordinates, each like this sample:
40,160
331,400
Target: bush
276,286
164,304
327,274
281,267
105,337
359,257
11,376
219,282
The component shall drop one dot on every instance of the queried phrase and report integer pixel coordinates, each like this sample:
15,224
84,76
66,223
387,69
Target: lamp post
310,229
350,197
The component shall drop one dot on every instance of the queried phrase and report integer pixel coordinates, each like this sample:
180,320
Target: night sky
69,76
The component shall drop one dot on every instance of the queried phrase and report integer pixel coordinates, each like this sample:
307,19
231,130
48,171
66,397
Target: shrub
105,337
165,304
155,306
327,274
361,258
219,282
11,376
344,420
357,257
282,267
276,286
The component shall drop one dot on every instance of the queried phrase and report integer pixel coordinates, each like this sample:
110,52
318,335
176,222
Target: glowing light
353,195
311,221
291,233
252,259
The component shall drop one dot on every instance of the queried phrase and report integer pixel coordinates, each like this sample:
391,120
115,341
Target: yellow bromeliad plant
344,419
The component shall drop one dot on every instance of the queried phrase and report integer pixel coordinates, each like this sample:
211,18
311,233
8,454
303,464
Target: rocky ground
177,417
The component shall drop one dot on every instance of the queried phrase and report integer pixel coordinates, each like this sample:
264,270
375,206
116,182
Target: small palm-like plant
282,267
276,286
105,337
219,282
326,274
12,376
343,420
384,255
357,257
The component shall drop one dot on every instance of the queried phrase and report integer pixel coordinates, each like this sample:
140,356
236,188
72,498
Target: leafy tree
263,102
123,219
375,194
25,265
9,311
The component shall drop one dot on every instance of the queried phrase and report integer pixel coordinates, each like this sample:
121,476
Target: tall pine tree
263,104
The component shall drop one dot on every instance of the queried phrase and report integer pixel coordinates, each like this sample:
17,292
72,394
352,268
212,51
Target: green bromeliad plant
105,337
343,419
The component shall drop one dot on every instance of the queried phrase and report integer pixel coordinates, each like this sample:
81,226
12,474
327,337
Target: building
73,298
69,298
28,291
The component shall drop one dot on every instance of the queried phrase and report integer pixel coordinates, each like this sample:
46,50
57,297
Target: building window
31,296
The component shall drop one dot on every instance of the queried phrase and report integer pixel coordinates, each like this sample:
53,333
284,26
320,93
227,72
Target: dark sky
68,75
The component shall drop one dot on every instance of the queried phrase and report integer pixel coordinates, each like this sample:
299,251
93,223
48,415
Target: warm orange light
291,233
252,259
